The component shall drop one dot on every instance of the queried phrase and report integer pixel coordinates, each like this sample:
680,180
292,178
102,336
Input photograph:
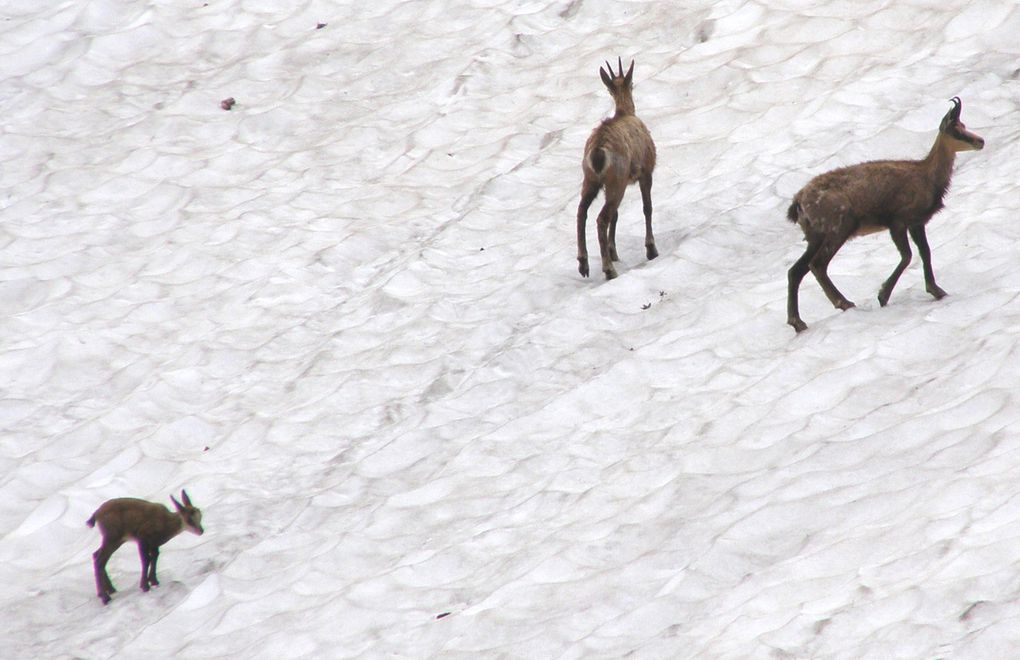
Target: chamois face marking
191,516
960,138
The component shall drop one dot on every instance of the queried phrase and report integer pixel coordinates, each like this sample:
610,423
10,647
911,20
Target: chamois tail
91,522
599,160
793,213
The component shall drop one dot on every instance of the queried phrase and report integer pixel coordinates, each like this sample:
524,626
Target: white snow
346,316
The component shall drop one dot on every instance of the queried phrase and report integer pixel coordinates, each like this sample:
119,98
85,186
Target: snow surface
345,315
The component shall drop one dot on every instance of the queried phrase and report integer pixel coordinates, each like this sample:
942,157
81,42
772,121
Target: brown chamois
618,153
149,524
900,196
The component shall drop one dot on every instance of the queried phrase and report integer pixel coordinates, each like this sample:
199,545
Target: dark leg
604,220
589,190
794,277
612,236
143,553
103,585
820,268
921,241
899,237
646,202
153,557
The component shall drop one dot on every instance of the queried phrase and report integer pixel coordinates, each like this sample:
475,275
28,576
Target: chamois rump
900,196
619,152
149,524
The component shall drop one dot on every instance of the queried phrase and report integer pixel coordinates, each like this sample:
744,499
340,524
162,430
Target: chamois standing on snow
896,195
149,524
619,152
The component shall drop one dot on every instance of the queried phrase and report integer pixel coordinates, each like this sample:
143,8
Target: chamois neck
624,107
940,160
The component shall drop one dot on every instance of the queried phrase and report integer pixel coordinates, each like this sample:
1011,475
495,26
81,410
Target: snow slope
345,315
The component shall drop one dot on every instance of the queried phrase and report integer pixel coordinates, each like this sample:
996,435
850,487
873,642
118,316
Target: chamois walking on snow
896,195
619,152
149,524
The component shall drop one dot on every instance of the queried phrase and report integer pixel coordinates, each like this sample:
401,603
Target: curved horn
619,61
630,71
957,106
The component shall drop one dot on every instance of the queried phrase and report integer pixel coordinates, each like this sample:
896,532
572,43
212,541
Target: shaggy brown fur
619,152
900,196
150,525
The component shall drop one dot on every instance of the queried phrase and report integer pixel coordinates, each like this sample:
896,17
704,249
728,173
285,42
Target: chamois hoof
611,274
845,305
105,598
798,325
651,252
937,293
582,267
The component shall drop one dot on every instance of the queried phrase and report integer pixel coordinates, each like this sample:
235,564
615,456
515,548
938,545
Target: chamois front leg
588,193
645,183
612,236
603,222
146,556
917,232
153,557
899,237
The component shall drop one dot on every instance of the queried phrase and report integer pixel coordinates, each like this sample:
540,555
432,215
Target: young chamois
900,196
149,524
618,153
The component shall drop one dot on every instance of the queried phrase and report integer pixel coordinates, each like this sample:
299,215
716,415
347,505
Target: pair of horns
621,74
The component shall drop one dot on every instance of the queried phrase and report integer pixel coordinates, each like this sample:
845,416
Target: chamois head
620,86
959,137
190,514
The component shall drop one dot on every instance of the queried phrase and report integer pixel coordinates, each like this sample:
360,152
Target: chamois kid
619,152
900,196
148,524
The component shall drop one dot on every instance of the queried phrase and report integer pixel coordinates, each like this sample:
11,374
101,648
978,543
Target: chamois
149,524
900,196
619,152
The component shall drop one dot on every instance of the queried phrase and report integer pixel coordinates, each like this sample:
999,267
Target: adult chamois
619,152
149,524
900,196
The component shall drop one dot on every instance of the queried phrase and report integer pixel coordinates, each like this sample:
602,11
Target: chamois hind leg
820,268
589,190
99,558
645,184
146,556
794,277
153,558
899,237
612,236
917,232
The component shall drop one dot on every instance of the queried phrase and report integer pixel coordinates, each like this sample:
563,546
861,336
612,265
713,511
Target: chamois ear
185,498
953,115
177,504
630,73
607,78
